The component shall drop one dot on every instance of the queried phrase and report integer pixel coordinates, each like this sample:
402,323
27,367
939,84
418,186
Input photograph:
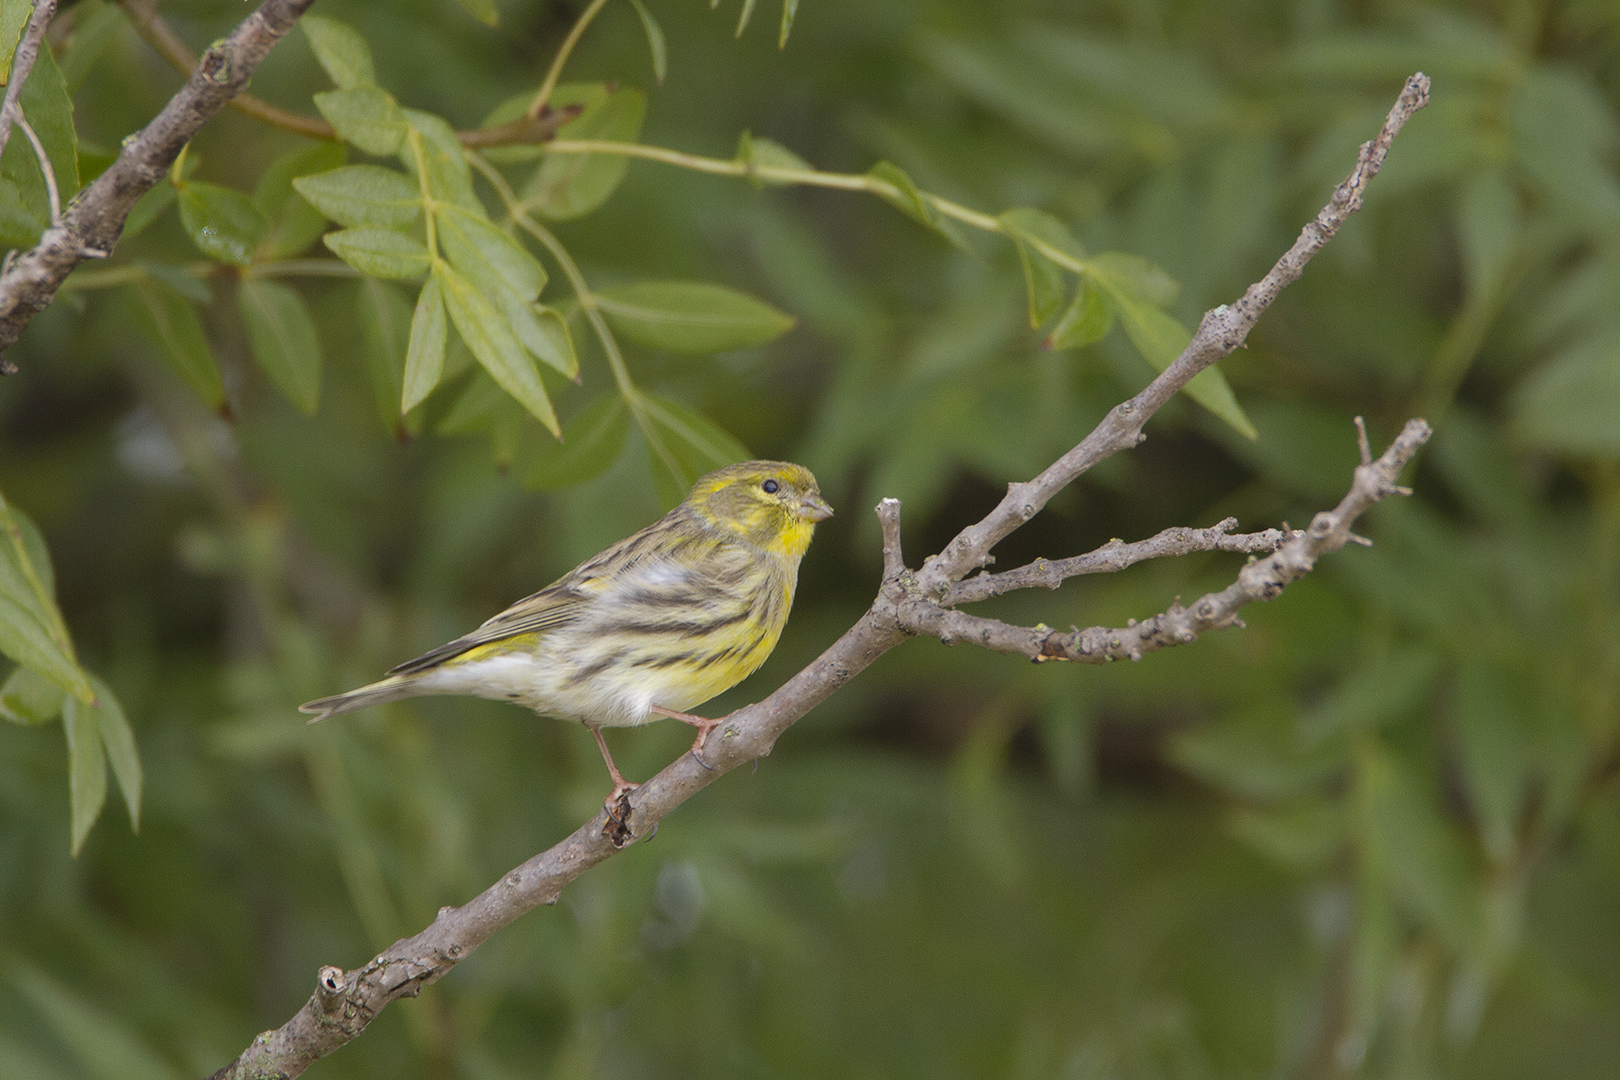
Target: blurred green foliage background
1375,833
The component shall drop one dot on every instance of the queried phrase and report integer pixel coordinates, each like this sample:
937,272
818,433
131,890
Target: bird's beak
814,508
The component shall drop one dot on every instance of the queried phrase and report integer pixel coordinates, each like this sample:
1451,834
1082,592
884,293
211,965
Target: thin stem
570,269
543,95
143,15
150,25
44,160
813,177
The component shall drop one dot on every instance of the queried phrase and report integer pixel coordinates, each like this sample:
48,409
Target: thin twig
157,33
22,64
1264,579
1115,556
542,97
345,1002
52,195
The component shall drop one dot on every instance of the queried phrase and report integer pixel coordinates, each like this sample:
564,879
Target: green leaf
424,358
282,337
765,153
1135,278
87,767
655,41
294,223
488,257
28,697
13,17
591,442
1571,404
49,109
20,227
1487,231
31,628
385,328
364,196
168,319
146,211
1088,318
224,224
366,117
742,20
1427,860
904,195
545,334
341,50
1258,755
119,742
484,11
449,177
790,8
572,185
1492,710
1133,284
492,342
1302,836
379,252
1378,693
1043,278
691,316
683,445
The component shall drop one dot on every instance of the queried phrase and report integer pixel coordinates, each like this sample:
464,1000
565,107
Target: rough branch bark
345,1002
92,221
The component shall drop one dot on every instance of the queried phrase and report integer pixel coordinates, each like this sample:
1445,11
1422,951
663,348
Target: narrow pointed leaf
119,743
424,359
282,337
757,153
365,116
905,196
87,768
590,443
1088,319
364,196
49,109
380,253
790,8
486,256
691,316
294,223
1158,336
385,328
28,697
655,41
492,342
341,51
683,445
484,11
170,322
224,224
449,177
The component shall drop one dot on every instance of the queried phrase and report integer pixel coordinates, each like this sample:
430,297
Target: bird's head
774,504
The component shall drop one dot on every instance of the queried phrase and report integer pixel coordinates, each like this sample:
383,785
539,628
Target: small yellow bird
657,624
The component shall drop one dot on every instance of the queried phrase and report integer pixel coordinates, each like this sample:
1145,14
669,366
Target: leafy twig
92,221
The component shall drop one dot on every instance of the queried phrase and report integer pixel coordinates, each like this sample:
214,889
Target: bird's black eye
770,487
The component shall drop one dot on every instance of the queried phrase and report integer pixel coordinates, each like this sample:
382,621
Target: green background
1375,833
